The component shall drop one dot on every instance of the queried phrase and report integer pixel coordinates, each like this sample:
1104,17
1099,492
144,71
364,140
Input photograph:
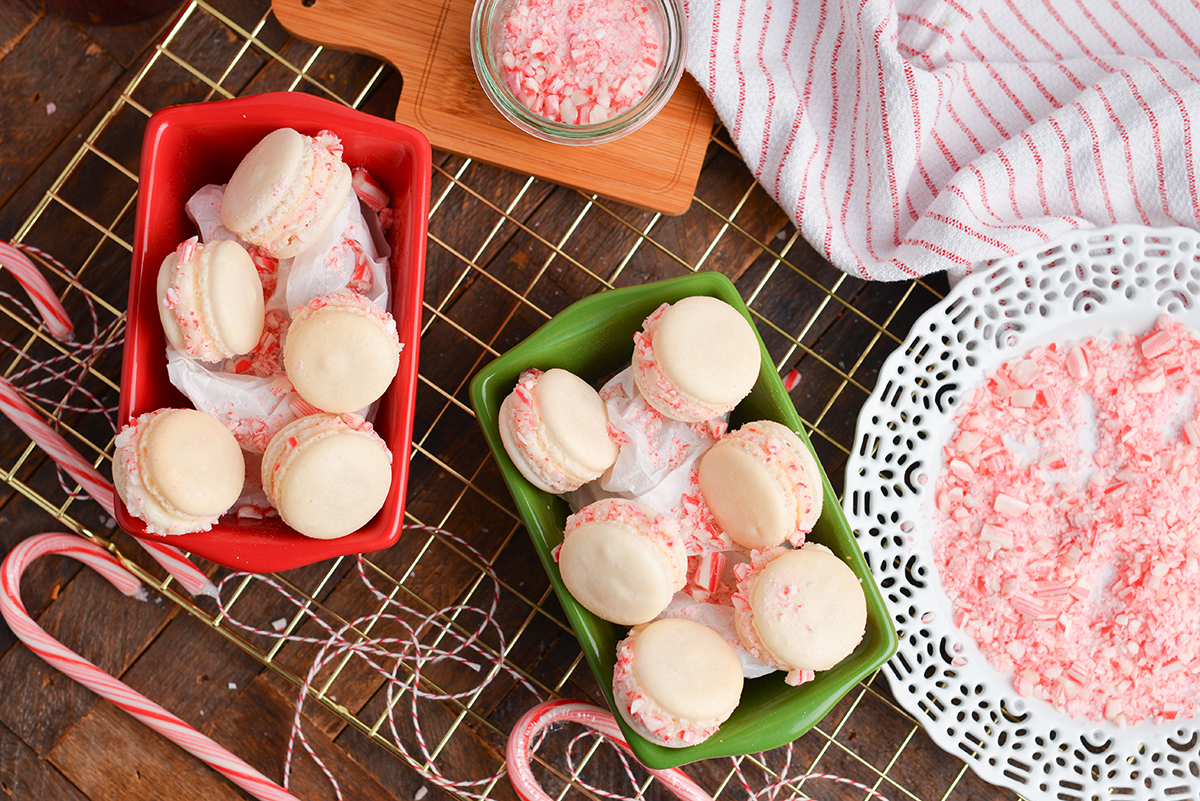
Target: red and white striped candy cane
26,419
43,297
518,753
95,679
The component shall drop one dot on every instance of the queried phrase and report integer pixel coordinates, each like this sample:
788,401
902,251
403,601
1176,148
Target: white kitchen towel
914,136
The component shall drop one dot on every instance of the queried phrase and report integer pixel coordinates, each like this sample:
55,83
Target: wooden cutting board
428,41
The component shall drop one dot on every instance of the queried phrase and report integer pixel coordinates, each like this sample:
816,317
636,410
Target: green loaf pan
593,338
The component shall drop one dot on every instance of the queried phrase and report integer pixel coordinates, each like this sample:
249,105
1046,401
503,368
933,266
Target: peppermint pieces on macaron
210,300
762,485
696,359
676,681
287,191
555,428
799,610
326,474
341,352
622,560
177,470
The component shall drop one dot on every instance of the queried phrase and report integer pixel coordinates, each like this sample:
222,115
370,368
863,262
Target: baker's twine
398,660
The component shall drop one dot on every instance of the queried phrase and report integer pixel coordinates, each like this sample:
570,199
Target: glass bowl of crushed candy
578,73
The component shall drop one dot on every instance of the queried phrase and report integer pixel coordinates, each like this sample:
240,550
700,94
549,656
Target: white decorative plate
1087,283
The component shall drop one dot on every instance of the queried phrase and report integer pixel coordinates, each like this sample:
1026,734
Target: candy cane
43,297
95,679
518,753
171,558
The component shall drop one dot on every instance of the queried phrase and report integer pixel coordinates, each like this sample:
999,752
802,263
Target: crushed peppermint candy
578,63
1068,524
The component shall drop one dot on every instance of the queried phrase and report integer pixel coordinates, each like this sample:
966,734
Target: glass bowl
593,338
186,147
487,39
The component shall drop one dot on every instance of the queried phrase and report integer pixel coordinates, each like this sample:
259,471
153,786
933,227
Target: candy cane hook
95,679
43,297
518,753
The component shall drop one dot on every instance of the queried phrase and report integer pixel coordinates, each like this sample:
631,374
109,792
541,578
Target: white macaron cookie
210,300
554,427
177,470
762,485
799,610
326,474
676,681
621,560
341,352
696,359
287,191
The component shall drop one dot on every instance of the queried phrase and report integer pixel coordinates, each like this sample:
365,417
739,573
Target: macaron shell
340,360
275,164
745,496
808,608
708,350
334,484
615,572
234,296
193,462
688,669
575,420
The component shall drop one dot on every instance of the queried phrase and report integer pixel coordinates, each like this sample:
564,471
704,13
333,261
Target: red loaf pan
187,147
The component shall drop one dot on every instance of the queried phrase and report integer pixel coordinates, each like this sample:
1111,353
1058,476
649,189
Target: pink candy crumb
1068,533
579,63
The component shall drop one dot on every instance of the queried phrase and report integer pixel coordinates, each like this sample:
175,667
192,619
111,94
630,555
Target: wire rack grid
505,254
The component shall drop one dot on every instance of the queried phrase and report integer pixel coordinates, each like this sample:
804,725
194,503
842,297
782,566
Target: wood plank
655,167
206,672
256,728
112,756
126,41
55,63
17,23
25,775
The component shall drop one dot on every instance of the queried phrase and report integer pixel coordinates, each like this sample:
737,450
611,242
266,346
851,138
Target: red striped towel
914,136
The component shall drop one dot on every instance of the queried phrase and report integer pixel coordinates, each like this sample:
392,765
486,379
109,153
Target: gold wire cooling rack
506,253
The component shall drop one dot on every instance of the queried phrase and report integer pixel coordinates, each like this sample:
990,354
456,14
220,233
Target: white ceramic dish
1087,283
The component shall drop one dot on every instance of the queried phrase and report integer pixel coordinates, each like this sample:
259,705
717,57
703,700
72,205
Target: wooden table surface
505,252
